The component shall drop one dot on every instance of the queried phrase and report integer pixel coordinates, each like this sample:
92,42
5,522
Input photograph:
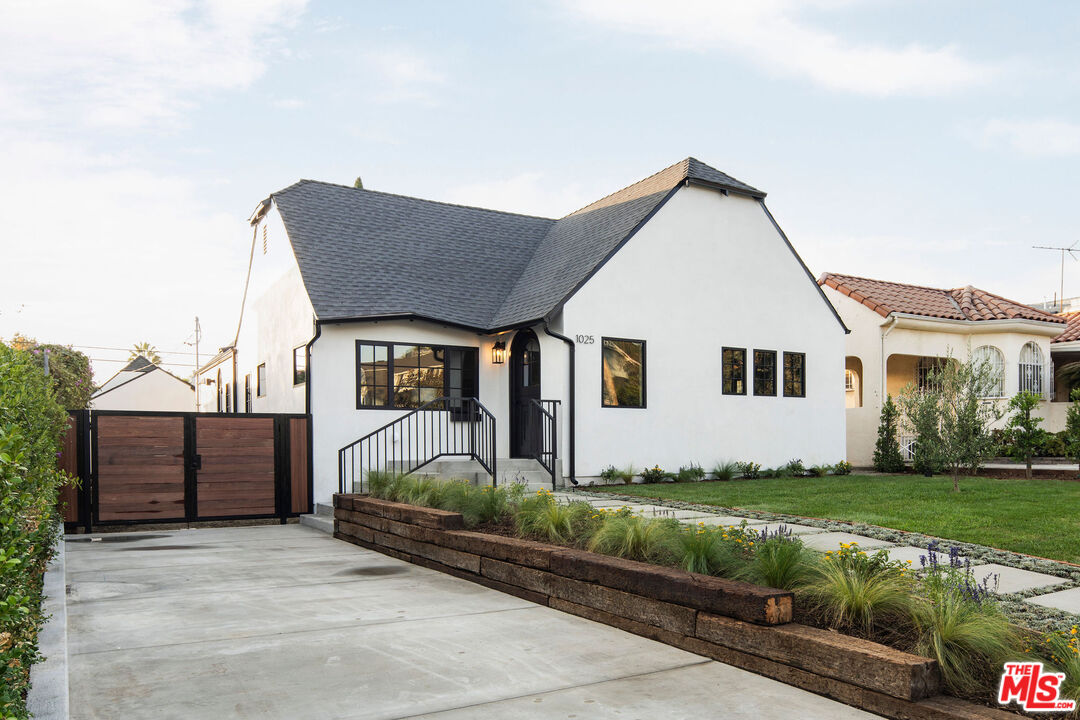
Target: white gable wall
278,317
707,271
151,391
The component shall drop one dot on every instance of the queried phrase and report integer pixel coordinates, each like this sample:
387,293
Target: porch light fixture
498,353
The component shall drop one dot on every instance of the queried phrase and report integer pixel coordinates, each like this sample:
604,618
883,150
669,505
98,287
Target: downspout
310,417
892,324
307,369
571,412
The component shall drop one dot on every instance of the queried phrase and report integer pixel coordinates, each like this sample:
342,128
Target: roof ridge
1014,302
411,197
887,282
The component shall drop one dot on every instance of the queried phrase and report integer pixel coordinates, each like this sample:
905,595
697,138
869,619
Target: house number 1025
584,339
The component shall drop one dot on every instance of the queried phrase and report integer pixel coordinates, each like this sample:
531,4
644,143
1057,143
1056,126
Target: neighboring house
144,385
214,383
900,333
1065,353
638,323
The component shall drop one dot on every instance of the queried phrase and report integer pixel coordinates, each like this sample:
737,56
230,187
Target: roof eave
914,321
726,188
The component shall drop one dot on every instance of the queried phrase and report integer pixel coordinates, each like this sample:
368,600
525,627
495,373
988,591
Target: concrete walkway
286,622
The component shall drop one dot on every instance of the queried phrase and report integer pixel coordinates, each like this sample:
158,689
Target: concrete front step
318,522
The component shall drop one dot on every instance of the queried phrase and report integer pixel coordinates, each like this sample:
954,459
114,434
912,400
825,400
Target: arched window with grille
926,371
1032,369
991,358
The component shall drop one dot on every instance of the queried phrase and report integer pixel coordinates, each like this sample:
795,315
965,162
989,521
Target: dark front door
524,388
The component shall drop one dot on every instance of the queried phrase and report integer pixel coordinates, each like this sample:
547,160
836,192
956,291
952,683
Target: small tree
887,457
1072,427
1027,436
951,420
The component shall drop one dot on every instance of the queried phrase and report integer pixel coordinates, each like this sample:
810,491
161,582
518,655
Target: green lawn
1038,517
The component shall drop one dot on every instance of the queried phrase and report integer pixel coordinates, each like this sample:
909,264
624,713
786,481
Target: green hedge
32,424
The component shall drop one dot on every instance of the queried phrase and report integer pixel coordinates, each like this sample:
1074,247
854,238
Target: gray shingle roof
364,253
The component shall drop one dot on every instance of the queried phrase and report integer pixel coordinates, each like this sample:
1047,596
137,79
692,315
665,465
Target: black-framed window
260,380
299,365
622,373
247,393
228,398
734,363
794,374
400,375
218,390
764,372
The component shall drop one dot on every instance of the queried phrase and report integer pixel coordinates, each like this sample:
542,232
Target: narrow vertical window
794,374
372,374
218,390
765,372
260,380
622,373
734,362
299,365
228,398
247,393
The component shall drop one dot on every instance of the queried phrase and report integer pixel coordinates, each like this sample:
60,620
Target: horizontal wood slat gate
186,467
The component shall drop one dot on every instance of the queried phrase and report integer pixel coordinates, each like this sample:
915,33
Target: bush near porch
1035,517
31,425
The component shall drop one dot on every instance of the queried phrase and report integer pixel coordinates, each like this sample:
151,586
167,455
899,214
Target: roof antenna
1061,297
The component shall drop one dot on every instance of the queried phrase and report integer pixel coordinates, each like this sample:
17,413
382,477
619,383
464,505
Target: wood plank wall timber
68,462
298,466
140,468
237,475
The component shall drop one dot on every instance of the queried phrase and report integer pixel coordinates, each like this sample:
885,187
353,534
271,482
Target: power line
127,349
127,360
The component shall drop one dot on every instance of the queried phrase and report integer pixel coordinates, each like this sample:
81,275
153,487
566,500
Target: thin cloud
1046,137
403,75
771,34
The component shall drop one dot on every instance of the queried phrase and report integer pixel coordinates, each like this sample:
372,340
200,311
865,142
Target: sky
931,142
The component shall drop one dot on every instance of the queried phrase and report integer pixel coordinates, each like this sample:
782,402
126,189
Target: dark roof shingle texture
966,303
364,253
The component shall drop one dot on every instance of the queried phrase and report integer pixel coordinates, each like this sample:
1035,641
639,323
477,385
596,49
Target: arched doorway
524,388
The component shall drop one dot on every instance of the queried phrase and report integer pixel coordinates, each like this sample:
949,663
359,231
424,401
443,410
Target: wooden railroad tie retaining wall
736,623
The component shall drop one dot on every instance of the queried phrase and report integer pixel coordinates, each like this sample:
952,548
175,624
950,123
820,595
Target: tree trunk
956,481
1027,471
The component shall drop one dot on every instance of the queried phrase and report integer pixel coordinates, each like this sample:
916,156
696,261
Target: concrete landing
283,621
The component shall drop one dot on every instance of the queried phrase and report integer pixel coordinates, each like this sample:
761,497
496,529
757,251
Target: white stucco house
144,385
631,331
900,332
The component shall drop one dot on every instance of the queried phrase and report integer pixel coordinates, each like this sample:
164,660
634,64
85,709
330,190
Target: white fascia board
972,327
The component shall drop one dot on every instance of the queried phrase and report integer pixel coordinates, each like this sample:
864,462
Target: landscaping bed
738,623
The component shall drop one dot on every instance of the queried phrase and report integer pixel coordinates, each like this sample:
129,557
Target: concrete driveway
286,622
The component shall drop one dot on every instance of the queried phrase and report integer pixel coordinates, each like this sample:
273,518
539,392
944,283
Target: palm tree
146,350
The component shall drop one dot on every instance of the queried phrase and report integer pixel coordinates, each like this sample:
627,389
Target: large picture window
794,374
397,375
622,373
734,361
764,372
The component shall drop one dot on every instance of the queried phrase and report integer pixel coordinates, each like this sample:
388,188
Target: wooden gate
187,467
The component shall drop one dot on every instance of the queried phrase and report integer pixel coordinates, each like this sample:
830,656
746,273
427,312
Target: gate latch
196,462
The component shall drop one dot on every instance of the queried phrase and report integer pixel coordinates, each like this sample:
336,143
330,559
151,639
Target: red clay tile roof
1072,328
966,303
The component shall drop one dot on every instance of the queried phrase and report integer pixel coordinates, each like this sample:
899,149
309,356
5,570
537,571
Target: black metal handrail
545,416
446,426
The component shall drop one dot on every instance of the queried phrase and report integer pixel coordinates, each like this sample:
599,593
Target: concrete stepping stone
1011,580
792,528
914,554
725,521
831,541
1067,600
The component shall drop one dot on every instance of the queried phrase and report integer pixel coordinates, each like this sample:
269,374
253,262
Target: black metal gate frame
88,466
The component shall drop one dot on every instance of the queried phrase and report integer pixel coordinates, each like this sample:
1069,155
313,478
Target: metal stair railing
444,427
543,416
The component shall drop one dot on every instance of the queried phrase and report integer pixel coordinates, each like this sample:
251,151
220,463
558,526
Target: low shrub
654,474
793,468
637,538
749,470
779,560
819,470
609,475
855,591
690,473
725,470
627,474
842,468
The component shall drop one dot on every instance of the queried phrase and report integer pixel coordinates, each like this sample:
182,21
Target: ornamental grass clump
710,550
779,560
725,470
1061,651
856,591
960,625
637,538
540,516
379,483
